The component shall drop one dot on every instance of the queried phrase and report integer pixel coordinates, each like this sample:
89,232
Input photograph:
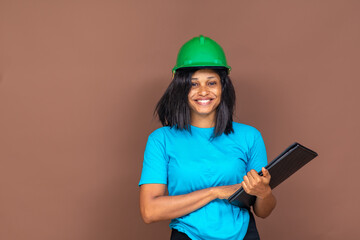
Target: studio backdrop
79,81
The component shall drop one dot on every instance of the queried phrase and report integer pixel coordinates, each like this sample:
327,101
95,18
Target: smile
203,102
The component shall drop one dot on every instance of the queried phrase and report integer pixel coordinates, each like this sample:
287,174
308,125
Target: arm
156,206
264,205
258,186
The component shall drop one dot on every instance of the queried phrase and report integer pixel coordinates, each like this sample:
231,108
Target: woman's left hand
257,185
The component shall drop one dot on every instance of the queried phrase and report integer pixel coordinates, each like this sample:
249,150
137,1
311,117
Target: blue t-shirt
187,162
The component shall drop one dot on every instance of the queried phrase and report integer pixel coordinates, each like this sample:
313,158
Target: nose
203,91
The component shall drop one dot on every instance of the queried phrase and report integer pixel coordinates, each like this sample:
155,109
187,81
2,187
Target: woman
200,156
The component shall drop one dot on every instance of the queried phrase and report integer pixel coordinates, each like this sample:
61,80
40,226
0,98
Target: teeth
203,101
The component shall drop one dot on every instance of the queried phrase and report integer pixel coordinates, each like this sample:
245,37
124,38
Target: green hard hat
201,52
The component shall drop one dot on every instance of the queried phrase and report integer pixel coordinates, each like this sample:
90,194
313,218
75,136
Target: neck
203,122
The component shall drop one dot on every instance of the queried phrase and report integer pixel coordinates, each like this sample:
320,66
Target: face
205,94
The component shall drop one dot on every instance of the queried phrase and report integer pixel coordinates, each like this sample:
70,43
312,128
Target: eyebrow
207,78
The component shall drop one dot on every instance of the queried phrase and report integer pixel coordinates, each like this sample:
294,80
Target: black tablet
282,167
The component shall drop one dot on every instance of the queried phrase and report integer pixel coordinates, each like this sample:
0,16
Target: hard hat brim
202,66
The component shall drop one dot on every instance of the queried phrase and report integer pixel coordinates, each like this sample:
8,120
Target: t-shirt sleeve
155,162
257,155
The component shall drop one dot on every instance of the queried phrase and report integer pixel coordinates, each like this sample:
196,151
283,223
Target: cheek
218,102
218,99
218,94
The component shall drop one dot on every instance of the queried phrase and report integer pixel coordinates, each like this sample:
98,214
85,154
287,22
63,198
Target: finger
266,173
256,178
251,177
255,175
247,181
245,187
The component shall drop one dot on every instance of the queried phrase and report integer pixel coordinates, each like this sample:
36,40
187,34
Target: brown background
79,82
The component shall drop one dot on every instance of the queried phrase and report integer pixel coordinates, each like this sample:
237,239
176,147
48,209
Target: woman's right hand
224,192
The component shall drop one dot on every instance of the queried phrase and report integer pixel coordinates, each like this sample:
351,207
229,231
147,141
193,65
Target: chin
203,112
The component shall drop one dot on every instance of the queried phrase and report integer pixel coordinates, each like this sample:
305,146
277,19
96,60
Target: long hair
173,108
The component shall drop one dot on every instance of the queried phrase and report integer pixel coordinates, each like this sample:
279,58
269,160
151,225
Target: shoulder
162,137
158,133
240,128
251,137
162,133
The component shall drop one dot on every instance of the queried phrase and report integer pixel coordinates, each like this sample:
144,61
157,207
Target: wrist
213,193
267,193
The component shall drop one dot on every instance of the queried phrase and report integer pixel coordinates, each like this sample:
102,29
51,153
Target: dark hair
173,108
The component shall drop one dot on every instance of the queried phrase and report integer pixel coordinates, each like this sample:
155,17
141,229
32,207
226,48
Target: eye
194,84
212,83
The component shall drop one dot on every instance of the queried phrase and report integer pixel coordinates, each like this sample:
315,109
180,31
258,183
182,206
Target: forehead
205,74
